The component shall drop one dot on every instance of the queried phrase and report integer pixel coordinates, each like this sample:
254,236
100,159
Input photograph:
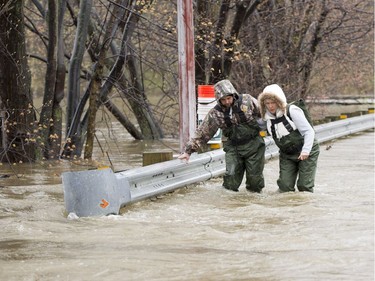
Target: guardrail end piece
94,193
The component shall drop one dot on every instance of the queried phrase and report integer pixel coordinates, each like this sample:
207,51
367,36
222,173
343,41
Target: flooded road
203,232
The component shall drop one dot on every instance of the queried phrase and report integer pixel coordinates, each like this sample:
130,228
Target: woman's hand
303,156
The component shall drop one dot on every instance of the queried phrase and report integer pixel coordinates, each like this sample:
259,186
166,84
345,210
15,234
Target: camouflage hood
275,93
225,88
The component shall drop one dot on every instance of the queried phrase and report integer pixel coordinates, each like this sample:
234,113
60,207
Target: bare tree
216,43
260,42
97,80
75,62
285,40
126,17
50,128
16,103
123,55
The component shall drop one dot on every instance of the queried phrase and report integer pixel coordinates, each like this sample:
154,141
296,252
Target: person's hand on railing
184,156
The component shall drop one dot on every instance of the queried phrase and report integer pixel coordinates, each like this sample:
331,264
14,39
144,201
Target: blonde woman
295,138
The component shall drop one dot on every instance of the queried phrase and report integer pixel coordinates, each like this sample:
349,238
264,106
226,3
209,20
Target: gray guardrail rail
98,192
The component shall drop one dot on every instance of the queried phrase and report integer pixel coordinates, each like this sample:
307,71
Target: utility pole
185,29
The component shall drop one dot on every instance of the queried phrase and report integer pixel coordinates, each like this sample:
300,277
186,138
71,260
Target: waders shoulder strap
283,120
236,109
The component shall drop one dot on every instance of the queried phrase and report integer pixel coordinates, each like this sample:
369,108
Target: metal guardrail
162,177
341,128
156,179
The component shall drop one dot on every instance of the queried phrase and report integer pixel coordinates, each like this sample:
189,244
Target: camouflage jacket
215,120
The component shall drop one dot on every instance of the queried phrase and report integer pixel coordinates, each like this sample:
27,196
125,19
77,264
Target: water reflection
121,156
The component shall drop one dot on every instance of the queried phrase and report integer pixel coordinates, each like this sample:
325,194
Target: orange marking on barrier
104,204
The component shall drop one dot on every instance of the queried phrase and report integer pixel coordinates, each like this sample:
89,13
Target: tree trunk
218,46
123,119
202,23
18,116
55,138
46,117
76,61
149,126
97,79
141,108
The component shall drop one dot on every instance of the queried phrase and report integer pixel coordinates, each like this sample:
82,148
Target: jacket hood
273,92
225,88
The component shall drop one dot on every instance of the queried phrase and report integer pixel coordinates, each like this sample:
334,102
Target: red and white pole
188,112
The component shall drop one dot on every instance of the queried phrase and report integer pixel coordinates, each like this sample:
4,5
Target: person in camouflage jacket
238,116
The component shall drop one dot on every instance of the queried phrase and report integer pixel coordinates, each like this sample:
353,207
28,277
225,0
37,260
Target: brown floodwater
199,232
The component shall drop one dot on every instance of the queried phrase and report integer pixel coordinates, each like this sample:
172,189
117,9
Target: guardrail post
152,157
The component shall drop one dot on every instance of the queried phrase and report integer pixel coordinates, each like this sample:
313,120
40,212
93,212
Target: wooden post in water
151,157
